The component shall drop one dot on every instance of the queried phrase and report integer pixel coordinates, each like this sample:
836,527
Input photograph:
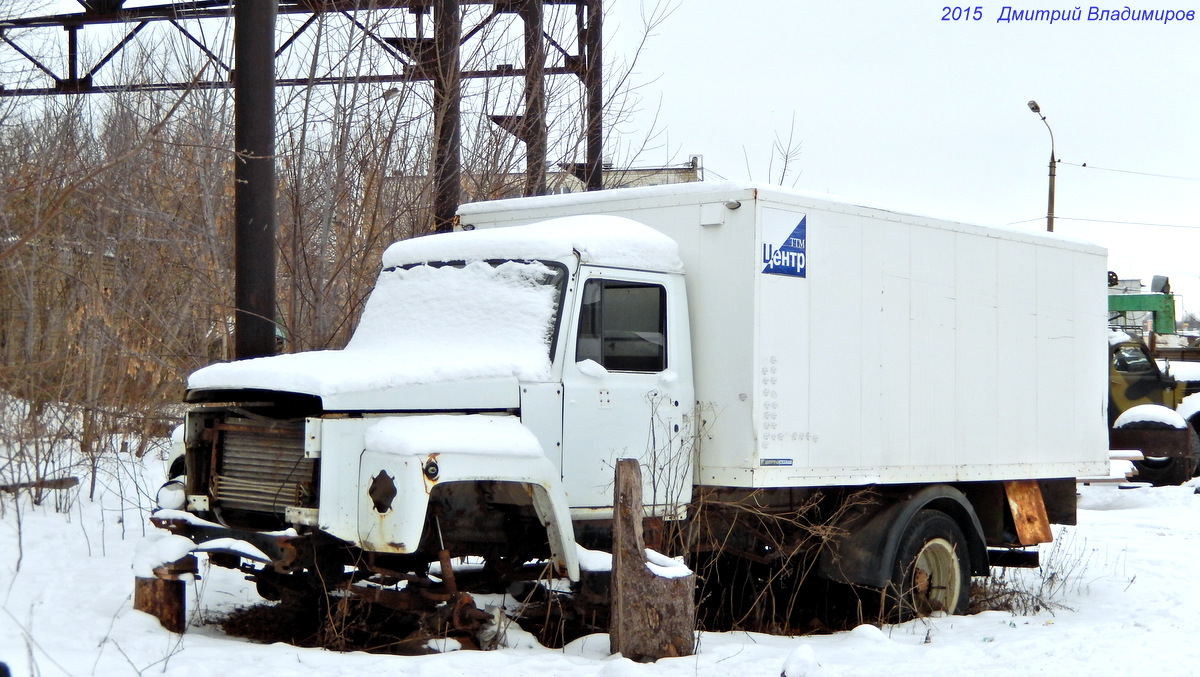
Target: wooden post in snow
652,617
164,595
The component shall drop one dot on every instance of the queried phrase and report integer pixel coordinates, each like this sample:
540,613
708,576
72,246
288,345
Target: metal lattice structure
429,55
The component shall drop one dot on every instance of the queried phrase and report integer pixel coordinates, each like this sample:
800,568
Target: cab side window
623,326
1131,359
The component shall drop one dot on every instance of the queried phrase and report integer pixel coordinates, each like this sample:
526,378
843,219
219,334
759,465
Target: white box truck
928,390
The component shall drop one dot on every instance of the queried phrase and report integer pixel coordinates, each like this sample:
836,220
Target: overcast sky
896,108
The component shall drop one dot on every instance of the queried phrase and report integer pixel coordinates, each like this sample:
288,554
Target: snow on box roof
739,190
599,240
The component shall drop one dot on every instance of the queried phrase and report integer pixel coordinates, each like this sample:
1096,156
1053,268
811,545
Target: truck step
1013,557
1125,455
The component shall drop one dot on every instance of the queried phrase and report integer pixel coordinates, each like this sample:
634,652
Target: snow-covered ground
1123,577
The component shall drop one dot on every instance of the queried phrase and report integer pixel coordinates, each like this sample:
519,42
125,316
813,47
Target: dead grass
1025,592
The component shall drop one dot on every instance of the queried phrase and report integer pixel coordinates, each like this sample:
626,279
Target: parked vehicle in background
1150,382
1147,412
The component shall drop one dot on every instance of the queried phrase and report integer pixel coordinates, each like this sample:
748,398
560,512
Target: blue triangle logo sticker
787,257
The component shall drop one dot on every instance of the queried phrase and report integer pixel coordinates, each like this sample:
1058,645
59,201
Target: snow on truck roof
427,324
598,240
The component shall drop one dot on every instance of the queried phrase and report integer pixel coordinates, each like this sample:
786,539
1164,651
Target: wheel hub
935,584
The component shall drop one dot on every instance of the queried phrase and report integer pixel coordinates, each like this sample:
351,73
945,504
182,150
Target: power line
1122,223
1129,171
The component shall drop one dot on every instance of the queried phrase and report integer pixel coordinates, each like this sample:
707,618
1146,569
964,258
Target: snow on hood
1189,407
422,325
446,434
1182,371
326,373
599,240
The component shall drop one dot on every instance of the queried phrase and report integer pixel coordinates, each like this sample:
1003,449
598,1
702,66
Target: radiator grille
262,465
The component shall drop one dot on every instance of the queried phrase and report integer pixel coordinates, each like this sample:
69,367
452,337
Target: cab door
1134,378
627,389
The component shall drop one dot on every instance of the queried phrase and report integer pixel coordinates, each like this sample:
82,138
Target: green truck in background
1149,407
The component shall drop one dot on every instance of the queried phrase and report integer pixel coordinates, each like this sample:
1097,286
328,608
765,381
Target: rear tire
931,572
1165,472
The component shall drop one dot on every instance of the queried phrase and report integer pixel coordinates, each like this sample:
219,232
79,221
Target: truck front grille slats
235,493
262,465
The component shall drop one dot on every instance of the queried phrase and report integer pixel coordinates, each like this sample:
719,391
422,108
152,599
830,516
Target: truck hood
367,380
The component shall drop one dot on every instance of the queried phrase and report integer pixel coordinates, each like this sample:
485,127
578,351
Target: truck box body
835,344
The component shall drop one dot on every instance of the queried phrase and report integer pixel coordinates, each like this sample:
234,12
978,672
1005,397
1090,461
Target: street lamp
1033,106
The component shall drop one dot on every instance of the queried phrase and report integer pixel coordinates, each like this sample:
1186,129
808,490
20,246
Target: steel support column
254,178
534,120
447,98
593,82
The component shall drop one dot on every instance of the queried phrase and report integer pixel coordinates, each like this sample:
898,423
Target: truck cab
1135,378
480,407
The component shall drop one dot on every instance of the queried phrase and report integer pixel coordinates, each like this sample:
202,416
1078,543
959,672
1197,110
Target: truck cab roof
610,241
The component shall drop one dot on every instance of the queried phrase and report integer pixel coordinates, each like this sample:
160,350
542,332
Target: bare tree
116,226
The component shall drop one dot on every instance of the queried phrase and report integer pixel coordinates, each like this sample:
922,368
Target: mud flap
1028,511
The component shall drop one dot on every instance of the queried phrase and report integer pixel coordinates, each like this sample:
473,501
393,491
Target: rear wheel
1164,472
931,572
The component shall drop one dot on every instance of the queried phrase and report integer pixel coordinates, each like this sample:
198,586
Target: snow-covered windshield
501,312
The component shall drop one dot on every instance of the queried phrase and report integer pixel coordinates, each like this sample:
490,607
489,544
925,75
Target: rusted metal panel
1028,511
1058,495
1164,443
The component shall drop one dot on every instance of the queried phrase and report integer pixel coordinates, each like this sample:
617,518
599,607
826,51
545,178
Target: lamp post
1033,106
